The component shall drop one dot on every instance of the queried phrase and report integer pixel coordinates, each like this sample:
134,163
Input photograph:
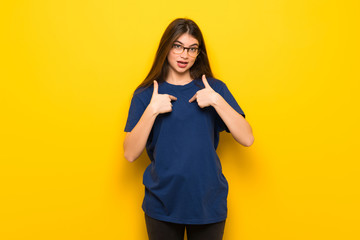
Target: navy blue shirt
184,182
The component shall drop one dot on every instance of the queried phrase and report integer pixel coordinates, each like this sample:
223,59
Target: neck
178,78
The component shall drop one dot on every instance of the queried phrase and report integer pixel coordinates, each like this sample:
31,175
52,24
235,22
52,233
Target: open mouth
182,64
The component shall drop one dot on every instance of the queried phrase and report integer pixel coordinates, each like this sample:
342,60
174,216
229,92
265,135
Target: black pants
160,230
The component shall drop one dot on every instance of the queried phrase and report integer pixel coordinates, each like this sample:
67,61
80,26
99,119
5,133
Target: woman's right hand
135,141
160,103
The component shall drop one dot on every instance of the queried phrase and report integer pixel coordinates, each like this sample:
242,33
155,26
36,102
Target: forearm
135,141
236,123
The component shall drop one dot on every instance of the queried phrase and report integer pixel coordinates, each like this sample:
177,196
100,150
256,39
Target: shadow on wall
244,178
133,173
130,184
234,155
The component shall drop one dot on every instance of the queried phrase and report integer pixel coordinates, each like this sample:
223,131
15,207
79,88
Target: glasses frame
187,48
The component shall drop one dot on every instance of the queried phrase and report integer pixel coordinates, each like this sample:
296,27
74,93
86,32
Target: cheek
192,62
170,57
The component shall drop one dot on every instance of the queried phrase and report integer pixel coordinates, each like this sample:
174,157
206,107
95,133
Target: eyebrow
195,44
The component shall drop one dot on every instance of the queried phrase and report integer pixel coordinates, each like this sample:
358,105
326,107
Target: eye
194,50
177,46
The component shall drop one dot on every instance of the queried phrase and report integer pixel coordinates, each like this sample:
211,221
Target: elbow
128,154
247,142
129,157
250,141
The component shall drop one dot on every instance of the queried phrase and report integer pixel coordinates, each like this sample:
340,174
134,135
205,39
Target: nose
185,53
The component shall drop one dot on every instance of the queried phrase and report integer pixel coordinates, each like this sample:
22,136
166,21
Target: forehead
187,39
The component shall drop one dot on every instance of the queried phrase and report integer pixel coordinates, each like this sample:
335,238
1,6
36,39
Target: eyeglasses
179,49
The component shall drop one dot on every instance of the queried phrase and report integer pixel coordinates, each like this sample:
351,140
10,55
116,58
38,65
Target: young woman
176,113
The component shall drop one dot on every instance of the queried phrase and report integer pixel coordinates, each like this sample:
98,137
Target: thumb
156,87
206,84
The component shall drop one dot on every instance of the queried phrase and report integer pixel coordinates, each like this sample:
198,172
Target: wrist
151,109
216,99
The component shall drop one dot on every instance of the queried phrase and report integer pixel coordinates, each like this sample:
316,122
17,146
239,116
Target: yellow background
68,69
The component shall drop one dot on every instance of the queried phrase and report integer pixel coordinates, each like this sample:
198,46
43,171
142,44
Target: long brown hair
160,67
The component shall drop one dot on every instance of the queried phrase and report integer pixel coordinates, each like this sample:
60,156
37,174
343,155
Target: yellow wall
67,72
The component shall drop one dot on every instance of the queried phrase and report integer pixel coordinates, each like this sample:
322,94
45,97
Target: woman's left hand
206,96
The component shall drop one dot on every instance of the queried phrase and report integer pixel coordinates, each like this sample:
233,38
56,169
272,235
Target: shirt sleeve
229,98
137,108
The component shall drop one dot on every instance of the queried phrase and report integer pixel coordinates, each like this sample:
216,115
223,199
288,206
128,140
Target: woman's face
181,63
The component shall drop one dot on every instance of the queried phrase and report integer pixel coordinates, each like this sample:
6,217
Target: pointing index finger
193,98
172,97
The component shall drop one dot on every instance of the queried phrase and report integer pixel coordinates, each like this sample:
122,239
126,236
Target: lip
182,64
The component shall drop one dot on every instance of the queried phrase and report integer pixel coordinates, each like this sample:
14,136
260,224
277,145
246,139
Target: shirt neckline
185,86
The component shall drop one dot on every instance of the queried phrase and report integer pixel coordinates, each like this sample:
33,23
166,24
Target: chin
181,70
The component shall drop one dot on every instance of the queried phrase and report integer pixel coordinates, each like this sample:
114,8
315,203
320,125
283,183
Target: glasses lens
178,48
193,52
